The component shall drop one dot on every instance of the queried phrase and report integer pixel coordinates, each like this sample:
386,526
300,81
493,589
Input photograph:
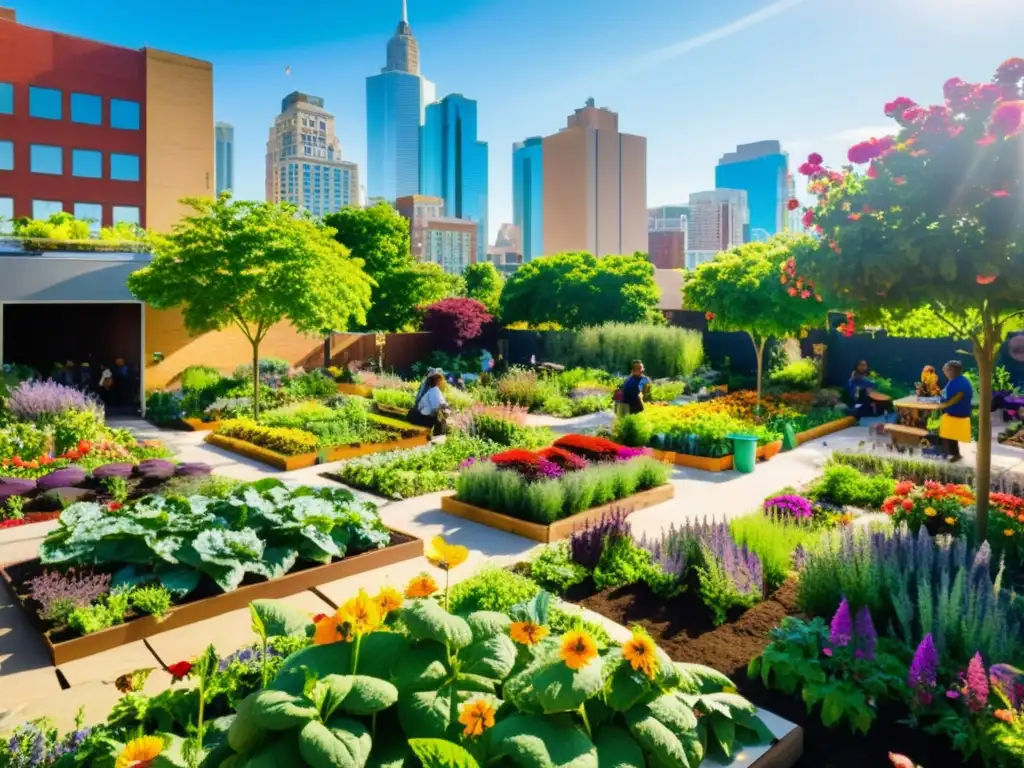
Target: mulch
682,627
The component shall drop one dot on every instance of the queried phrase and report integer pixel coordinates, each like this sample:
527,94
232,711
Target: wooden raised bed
198,425
560,529
303,460
358,390
825,429
720,464
403,547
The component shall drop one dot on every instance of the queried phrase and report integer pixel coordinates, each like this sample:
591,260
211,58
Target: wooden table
912,421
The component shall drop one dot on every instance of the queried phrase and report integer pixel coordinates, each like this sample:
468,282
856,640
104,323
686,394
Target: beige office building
304,164
435,238
595,186
717,220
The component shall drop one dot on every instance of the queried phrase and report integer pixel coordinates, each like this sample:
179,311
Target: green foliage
917,470
665,351
666,391
774,541
695,433
577,290
800,376
163,407
844,485
491,589
102,614
283,440
622,562
484,283
719,592
22,439
254,265
152,600
116,487
200,377
311,384
554,569
394,398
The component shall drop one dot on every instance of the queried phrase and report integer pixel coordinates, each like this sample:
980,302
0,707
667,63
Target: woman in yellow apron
955,426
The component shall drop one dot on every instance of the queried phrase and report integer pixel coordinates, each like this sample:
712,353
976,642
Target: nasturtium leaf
173,754
244,735
276,754
667,730
626,686
390,753
467,682
369,695
341,743
280,619
492,657
279,711
722,733
560,689
484,624
421,668
378,653
330,691
434,714
426,620
528,741
696,678
751,730
617,749
438,753
179,580
725,704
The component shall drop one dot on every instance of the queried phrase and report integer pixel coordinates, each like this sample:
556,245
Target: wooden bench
906,437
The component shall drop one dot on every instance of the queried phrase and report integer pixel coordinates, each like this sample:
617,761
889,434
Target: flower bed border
303,460
357,390
825,429
720,464
198,425
409,548
560,529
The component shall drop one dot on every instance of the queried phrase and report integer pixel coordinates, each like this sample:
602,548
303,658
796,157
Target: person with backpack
630,395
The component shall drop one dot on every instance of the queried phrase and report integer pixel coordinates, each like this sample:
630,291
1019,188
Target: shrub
25,440
200,377
40,401
519,387
587,543
844,485
774,541
800,375
58,594
297,415
163,407
274,366
667,352
395,398
455,321
491,589
311,384
666,391
290,442
554,569
72,427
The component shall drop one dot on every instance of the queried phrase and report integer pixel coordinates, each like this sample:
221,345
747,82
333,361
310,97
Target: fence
401,350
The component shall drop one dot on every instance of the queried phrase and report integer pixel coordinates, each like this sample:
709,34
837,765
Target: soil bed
683,628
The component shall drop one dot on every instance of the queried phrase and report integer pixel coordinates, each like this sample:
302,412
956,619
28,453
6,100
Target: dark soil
683,628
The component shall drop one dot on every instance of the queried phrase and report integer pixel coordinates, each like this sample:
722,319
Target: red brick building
667,248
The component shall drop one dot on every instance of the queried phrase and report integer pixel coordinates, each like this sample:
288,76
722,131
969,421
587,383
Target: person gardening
867,401
432,408
633,390
957,397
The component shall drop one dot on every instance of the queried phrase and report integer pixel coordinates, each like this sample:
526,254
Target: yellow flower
803,334
446,556
421,586
327,631
1008,532
139,753
578,649
930,511
388,600
360,615
477,716
641,653
950,521
527,633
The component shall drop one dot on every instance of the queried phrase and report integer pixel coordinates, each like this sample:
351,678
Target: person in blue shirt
957,397
633,390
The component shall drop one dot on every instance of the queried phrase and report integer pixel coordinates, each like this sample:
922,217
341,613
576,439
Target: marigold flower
477,716
641,653
930,512
709,316
139,753
446,556
326,631
421,586
360,615
527,633
1008,532
950,521
179,670
388,600
1003,715
578,649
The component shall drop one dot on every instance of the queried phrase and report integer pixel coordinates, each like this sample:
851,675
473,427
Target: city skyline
757,92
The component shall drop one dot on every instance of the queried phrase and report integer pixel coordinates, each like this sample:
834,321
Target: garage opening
46,336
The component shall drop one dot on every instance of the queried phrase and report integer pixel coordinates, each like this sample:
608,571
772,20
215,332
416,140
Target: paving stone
109,665
22,542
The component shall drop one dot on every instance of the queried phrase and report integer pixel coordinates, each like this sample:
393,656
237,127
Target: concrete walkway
30,686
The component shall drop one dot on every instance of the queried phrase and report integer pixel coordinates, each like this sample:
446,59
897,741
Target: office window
124,114
87,163
124,167
6,214
6,155
6,100
86,108
46,159
44,209
92,213
128,214
44,103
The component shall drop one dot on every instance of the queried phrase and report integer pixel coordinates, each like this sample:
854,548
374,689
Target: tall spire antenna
405,11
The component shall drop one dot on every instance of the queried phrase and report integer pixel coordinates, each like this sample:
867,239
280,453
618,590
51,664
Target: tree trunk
986,356
256,380
759,351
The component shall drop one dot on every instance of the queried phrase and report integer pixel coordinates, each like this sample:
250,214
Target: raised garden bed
359,390
825,429
201,606
560,529
302,460
719,464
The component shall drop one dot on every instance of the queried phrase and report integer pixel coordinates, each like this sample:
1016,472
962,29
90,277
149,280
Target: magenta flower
986,95
976,685
809,169
815,159
1010,71
898,106
956,92
864,629
841,629
913,114
1007,119
808,217
924,671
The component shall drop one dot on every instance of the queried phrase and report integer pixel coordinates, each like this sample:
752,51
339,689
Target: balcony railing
13,245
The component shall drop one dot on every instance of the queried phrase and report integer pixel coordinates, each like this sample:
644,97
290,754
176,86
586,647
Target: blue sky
695,77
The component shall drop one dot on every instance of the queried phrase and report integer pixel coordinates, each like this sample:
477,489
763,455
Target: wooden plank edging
825,429
303,460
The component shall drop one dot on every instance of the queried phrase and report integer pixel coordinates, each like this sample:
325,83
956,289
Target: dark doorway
46,335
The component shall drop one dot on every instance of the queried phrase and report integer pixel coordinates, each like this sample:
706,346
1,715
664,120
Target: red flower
872,171
808,217
179,670
793,204
593,448
114,506
985,279
904,487
815,159
84,446
709,316
898,106
72,454
854,216
1007,119
809,169
913,114
791,291
805,294
907,504
319,617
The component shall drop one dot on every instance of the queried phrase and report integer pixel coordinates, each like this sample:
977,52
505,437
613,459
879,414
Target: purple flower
924,670
59,593
976,685
841,629
35,400
625,453
864,629
587,543
1008,682
795,506
548,469
467,463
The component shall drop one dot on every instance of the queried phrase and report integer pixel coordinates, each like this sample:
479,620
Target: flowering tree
740,290
454,322
936,221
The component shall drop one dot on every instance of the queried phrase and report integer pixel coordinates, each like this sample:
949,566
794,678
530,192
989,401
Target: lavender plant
59,594
41,401
587,543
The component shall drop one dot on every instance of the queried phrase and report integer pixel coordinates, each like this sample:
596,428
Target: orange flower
1003,715
527,633
578,649
446,556
361,615
421,586
140,753
1008,532
950,521
641,653
477,716
388,600
327,631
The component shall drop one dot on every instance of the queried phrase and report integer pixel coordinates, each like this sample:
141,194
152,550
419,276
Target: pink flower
791,291
1007,119
899,181
827,651
815,159
898,106
985,279
901,761
984,141
1000,193
986,95
976,684
954,131
808,169
808,217
913,114
872,171
1010,71
951,694
805,294
956,91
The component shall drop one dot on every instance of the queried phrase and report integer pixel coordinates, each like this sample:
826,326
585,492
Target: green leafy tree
379,235
936,222
743,290
254,265
76,234
484,283
576,289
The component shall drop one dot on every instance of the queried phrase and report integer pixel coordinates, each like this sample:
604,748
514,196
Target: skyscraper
760,169
224,134
436,238
528,195
453,163
717,220
304,164
666,236
595,186
395,102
